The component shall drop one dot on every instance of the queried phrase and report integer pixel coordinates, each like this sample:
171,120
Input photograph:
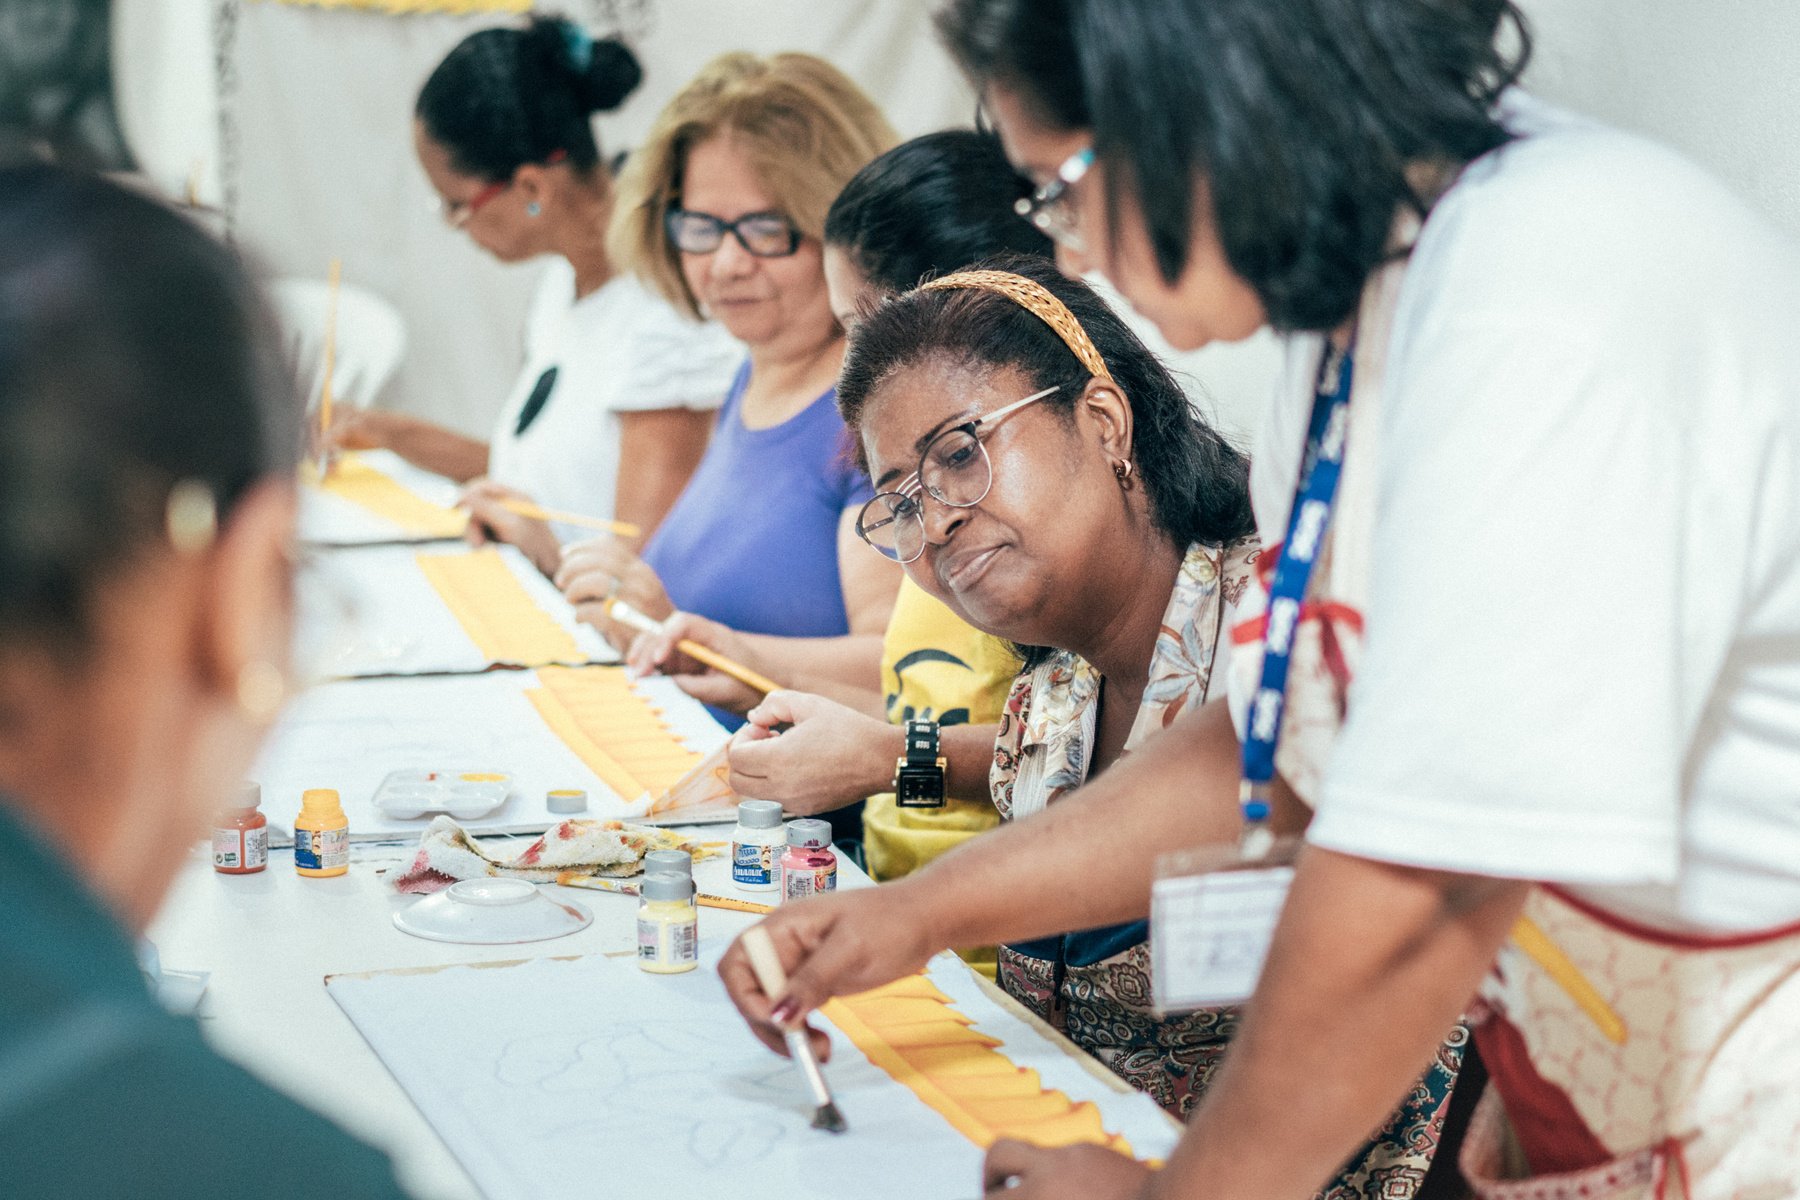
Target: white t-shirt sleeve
1554,602
674,362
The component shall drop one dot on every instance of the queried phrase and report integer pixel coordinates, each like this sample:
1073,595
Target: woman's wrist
887,746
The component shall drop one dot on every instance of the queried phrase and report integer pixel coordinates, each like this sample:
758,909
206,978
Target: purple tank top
752,542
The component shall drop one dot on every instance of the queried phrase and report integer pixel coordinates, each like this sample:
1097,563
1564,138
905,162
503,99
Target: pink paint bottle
810,866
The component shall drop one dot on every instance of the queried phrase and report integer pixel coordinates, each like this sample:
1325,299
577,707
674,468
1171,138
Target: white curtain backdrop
322,101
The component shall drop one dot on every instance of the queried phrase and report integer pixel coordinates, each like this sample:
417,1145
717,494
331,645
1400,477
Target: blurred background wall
295,119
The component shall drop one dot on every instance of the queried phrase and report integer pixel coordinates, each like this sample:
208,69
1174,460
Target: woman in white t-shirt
614,405
1545,682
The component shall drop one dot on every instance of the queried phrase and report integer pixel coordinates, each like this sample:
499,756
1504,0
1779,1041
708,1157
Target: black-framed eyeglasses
763,234
1050,208
954,470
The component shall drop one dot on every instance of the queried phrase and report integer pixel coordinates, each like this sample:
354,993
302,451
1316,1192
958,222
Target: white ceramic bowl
491,912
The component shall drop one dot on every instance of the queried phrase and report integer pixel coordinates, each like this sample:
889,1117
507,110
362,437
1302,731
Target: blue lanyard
1307,522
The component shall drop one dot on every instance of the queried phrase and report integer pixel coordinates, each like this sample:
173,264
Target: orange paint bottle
321,834
241,835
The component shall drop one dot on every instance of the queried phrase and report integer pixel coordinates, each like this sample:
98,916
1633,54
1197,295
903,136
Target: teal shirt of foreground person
104,1094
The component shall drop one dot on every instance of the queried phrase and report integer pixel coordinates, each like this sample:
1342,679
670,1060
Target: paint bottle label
668,943
808,881
754,866
321,849
252,847
228,849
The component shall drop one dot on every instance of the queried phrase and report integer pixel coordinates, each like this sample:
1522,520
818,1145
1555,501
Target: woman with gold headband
1038,470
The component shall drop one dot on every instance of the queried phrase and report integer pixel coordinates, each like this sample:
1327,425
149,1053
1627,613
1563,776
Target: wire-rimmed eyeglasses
1050,208
953,469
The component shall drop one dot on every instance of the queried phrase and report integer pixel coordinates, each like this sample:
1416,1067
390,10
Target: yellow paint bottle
668,926
321,834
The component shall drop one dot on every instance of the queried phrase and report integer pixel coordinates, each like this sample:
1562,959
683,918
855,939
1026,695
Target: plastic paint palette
464,794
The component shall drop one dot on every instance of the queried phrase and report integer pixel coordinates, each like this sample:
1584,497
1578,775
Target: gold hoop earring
1122,469
261,689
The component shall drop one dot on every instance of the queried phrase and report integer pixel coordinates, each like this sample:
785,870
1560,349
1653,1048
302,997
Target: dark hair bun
599,72
612,74
507,96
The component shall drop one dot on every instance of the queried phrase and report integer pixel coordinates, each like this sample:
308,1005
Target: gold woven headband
1037,300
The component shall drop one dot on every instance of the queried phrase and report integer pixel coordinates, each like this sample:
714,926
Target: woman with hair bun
613,405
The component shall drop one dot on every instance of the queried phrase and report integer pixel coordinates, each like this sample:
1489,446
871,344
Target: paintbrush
526,508
332,287
703,899
769,973
624,614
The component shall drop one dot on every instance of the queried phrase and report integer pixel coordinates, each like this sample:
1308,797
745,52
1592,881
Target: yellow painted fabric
934,667
616,732
496,611
910,1030
410,8
353,479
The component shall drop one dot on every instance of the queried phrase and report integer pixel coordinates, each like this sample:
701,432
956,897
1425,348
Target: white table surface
270,939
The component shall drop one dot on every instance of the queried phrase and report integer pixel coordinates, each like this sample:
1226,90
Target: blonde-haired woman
722,211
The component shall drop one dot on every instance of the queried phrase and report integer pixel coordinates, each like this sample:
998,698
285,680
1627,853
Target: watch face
919,788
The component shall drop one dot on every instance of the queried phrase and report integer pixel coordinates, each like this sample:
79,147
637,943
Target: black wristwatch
919,776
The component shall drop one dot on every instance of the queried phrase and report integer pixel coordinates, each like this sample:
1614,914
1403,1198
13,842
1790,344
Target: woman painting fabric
1562,568
722,213
925,208
147,496
1066,497
612,408
1097,524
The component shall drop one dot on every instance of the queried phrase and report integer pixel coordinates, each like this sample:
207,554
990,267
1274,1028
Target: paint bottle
756,846
810,865
669,862
241,835
321,834
668,925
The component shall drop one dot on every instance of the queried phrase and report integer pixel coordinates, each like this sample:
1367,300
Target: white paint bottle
757,845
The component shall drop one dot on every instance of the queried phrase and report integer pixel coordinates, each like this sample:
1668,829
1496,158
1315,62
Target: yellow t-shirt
934,667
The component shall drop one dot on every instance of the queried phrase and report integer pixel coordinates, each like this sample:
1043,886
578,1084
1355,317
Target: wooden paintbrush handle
765,962
726,666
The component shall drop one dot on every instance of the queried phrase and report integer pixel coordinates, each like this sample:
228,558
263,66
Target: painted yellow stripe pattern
616,732
353,479
413,8
496,611
910,1030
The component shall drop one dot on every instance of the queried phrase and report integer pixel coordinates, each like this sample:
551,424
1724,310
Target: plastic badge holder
1213,911
463,794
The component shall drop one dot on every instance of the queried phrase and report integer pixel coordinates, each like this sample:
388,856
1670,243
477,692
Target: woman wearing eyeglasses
614,403
927,207
1042,474
722,213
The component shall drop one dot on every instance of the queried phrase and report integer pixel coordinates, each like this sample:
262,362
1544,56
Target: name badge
1210,929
